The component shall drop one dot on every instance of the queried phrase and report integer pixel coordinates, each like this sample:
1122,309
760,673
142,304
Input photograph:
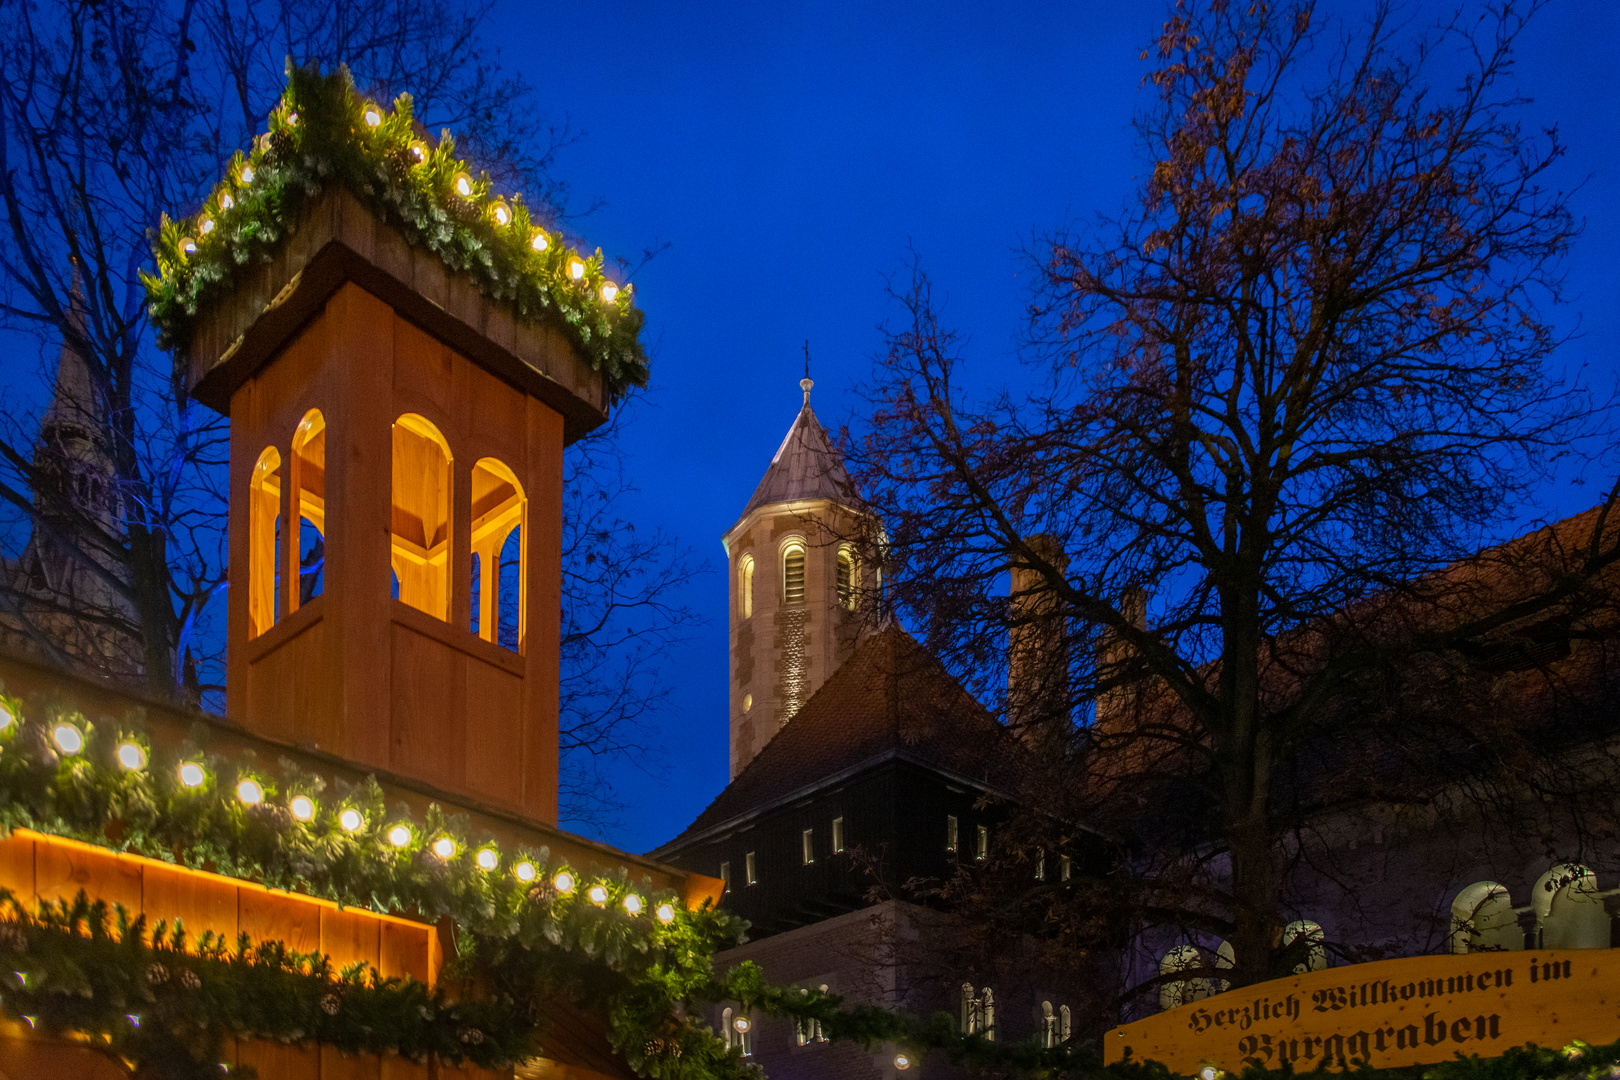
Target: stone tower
799,583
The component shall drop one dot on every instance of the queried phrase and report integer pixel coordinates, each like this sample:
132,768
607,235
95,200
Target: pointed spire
807,465
805,383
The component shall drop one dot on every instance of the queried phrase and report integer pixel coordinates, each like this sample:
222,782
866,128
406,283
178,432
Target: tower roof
806,466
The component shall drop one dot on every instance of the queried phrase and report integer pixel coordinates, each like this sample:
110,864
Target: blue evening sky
796,154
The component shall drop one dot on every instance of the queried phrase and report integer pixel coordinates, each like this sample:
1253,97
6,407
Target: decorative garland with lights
324,133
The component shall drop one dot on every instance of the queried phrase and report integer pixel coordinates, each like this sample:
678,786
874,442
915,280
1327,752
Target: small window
309,482
982,850
950,832
725,876
848,578
1040,866
748,702
264,543
748,868
725,1027
793,573
420,558
838,834
745,586
1064,1031
1049,1026
809,846
498,512
1063,867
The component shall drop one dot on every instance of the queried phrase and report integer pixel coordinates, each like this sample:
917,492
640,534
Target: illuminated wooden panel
203,901
62,868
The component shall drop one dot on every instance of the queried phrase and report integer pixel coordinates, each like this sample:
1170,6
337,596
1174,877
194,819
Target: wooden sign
1390,1013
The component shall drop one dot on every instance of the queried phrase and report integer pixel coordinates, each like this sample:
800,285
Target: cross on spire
805,383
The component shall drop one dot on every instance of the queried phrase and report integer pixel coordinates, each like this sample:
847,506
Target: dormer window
793,572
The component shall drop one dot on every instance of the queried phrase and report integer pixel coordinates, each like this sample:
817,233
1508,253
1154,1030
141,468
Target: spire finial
805,383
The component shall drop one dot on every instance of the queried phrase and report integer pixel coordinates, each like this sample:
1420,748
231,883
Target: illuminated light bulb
247,174
1209,1072
351,820
488,859
372,116
598,895
500,212
610,292
419,150
444,847
399,835
576,269
192,775
226,202
564,882
6,716
207,225
302,807
538,241
902,1062
666,913
632,904
250,792
292,119
188,246
463,185
132,756
742,1025
524,871
69,739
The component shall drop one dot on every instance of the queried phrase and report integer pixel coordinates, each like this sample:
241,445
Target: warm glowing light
666,913
188,246
207,225
6,716
463,185
68,738
610,291
419,150
292,119
524,871
302,807
500,212
351,820
564,882
250,792
399,835
1210,1072
742,1025
598,895
538,241
131,756
226,202
373,116
192,775
247,174
902,1062
632,904
576,269
444,847
488,859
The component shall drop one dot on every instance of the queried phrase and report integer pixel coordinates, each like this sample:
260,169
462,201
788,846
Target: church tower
798,578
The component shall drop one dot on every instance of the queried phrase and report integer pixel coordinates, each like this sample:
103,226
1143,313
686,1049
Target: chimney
1038,700
1112,658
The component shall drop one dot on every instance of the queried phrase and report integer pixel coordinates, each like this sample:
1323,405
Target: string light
68,738
192,775
302,807
207,226
488,859
292,119
399,835
1209,1072
463,185
610,291
598,895
225,201
419,150
538,241
373,116
742,1025
576,269
250,792
6,716
132,756
632,904
500,212
564,882
444,847
351,820
188,246
247,174
902,1062
524,871
666,913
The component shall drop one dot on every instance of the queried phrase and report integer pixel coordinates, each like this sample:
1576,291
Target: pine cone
189,980
282,144
398,163
472,1036
464,210
330,1004
157,974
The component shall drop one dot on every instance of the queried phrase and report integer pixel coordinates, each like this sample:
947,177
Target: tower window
745,586
420,556
982,851
950,832
725,876
748,869
264,543
498,512
808,840
838,834
309,481
848,578
793,573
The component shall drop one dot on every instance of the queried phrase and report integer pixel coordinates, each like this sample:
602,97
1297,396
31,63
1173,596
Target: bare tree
1304,374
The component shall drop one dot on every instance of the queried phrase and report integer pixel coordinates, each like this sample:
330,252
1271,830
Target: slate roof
891,697
806,466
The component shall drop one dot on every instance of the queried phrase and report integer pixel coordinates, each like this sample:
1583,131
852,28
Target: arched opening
1305,944
264,543
745,586
849,578
309,482
420,555
793,572
498,509
1483,920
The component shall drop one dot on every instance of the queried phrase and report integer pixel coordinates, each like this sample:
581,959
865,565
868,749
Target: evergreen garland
324,134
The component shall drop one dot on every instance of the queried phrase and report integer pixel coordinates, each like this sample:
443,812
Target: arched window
420,558
1310,954
793,572
309,482
849,577
1064,1026
1049,1026
498,515
1483,920
1569,909
264,542
745,586
725,1026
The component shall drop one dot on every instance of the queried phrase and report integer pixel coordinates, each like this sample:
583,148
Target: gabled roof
890,699
806,466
